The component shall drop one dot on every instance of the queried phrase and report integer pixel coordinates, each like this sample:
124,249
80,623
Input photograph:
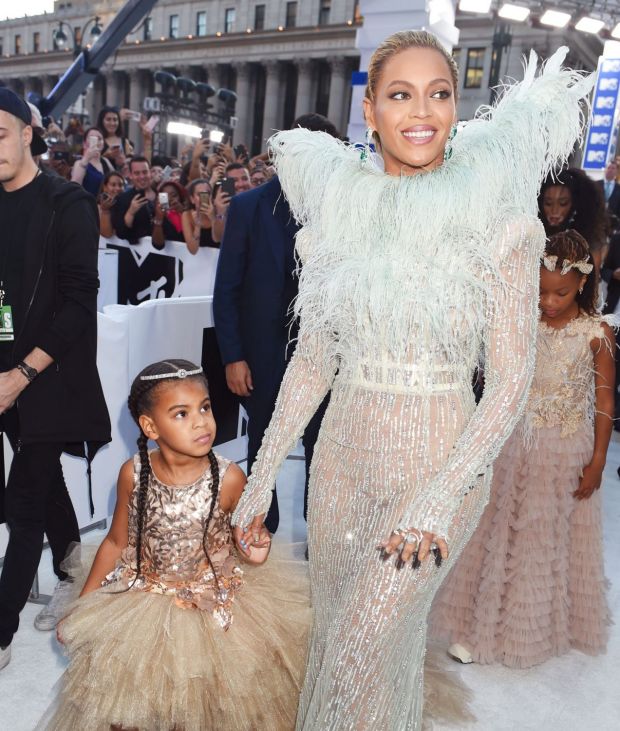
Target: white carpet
571,693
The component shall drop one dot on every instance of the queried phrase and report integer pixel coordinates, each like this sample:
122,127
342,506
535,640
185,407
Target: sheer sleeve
510,343
306,382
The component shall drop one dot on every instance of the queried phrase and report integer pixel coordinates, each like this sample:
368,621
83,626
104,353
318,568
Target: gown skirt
530,585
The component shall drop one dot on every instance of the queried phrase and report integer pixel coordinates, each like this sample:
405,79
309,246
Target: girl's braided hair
142,397
571,245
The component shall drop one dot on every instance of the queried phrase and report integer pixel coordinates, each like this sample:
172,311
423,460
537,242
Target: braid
572,245
145,474
215,483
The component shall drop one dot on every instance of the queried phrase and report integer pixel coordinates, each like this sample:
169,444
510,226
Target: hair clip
550,263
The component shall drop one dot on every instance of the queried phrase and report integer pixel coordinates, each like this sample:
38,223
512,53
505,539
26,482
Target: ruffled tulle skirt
530,584
139,661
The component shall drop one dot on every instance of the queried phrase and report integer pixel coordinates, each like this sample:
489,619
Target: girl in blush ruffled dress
170,633
530,584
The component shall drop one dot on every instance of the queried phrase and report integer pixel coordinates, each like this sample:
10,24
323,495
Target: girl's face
413,110
114,186
558,293
198,189
557,204
111,123
181,418
173,197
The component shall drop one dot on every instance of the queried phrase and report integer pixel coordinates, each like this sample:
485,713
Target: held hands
253,542
411,544
590,481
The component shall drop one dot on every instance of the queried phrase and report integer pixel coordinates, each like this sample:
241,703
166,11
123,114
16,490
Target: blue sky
25,7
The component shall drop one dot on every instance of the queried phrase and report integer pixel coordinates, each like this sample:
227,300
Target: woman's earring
581,289
366,150
447,153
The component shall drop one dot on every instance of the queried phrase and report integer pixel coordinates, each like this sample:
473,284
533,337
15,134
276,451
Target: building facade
282,58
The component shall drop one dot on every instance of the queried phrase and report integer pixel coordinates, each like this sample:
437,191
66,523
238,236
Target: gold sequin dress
530,584
177,652
405,281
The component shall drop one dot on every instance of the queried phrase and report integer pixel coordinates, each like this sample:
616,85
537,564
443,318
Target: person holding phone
116,147
236,180
133,211
91,168
169,207
198,219
112,186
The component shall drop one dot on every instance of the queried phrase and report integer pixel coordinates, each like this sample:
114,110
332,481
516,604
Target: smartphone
136,116
93,143
241,151
166,172
163,201
228,186
152,123
203,197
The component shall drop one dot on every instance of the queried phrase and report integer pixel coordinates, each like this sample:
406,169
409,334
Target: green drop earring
447,153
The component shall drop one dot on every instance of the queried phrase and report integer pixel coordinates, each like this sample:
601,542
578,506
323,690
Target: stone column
137,92
242,133
337,91
303,102
272,116
116,89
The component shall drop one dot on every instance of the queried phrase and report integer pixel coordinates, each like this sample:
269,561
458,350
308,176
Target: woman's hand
592,476
221,202
254,536
413,545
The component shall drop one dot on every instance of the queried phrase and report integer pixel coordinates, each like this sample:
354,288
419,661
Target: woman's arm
305,384
510,354
105,222
191,231
110,550
604,380
79,171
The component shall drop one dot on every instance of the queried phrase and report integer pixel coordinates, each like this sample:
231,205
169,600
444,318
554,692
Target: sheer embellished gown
405,282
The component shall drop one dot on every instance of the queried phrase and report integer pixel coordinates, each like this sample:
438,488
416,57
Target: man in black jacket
50,394
132,214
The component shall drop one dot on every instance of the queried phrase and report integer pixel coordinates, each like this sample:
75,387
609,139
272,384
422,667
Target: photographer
60,160
132,214
112,186
169,207
90,170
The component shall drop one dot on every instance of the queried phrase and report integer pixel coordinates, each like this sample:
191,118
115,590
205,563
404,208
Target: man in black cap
51,399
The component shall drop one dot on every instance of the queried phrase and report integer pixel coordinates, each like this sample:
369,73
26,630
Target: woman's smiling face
413,110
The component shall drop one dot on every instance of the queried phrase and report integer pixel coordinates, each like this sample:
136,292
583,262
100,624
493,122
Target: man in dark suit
611,189
254,288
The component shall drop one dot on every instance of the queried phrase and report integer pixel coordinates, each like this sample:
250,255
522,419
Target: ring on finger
411,538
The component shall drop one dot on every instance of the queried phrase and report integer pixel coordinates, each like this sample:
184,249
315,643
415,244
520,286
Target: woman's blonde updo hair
403,41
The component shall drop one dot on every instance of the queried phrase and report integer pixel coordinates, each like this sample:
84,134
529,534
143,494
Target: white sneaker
460,653
54,611
5,656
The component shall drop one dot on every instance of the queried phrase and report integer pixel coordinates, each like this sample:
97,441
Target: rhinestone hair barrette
582,265
182,373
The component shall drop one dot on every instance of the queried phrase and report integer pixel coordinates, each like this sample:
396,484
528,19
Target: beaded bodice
173,558
562,391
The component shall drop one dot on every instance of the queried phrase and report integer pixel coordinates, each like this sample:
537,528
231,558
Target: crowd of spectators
184,198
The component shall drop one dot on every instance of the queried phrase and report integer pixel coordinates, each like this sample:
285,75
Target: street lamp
61,38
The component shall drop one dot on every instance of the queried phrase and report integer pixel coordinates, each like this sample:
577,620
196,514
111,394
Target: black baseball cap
13,104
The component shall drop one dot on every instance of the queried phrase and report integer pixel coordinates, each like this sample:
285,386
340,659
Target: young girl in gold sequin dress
170,632
530,584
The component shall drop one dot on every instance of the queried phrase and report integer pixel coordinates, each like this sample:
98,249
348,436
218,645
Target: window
259,17
291,15
18,44
324,9
229,20
201,23
147,32
36,42
173,29
473,70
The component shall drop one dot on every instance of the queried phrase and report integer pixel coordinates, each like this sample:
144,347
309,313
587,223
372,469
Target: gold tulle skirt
139,661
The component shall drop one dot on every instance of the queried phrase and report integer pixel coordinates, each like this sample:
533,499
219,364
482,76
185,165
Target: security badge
7,332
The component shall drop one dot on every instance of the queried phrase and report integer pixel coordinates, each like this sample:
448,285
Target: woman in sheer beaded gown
409,273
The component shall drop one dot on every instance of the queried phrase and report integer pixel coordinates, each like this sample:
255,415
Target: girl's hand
413,545
591,478
254,536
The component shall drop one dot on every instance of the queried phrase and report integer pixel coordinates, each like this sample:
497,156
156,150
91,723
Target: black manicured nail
399,563
384,555
416,561
438,558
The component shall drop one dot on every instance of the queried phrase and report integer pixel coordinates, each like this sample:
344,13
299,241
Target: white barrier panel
131,337
146,273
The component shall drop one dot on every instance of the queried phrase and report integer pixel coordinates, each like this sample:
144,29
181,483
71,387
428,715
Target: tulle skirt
530,584
140,661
